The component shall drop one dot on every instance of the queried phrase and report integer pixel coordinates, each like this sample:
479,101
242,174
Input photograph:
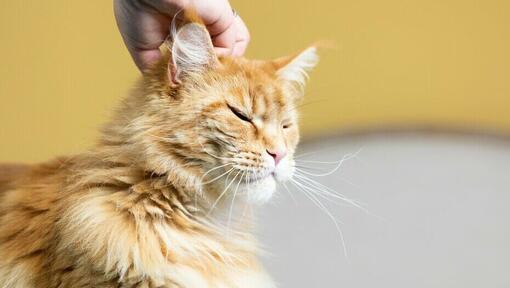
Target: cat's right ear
191,53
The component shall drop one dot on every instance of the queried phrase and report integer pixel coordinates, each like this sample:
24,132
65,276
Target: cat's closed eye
286,123
241,115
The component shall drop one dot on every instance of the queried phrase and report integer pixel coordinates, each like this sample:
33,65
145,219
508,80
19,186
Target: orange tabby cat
164,199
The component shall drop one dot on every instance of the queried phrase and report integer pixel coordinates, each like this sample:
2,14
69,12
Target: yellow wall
63,66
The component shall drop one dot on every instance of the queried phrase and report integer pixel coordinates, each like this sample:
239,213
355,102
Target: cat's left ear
294,69
192,52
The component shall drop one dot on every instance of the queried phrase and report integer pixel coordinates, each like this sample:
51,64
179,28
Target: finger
217,16
224,42
146,58
221,27
242,38
239,48
143,31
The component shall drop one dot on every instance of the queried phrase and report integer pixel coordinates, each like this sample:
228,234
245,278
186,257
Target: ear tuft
295,69
191,51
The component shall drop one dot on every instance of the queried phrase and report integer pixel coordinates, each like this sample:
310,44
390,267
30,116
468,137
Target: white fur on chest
222,271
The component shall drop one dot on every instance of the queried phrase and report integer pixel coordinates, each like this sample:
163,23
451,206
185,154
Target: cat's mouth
258,179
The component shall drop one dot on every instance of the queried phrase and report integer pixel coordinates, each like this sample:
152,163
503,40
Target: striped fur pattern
165,198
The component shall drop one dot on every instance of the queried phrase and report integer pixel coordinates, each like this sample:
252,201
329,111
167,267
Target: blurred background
421,87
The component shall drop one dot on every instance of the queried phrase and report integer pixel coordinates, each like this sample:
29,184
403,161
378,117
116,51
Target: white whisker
290,193
215,168
332,193
218,177
223,193
319,162
305,154
328,191
328,213
338,165
233,200
321,193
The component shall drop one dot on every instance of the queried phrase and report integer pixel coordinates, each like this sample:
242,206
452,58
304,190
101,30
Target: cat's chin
285,170
259,192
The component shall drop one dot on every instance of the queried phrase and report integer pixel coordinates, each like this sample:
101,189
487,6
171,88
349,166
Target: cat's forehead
260,94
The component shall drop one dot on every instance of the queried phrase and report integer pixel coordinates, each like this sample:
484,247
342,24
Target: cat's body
147,206
117,222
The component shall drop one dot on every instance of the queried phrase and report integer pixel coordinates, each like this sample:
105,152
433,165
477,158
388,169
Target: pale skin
144,26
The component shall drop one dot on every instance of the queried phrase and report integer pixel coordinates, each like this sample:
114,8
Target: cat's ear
294,69
192,52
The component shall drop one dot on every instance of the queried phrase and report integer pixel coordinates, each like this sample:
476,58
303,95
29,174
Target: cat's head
231,122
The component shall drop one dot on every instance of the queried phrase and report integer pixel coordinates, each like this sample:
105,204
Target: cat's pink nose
277,155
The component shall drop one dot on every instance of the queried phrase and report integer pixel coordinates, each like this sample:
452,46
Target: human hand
144,26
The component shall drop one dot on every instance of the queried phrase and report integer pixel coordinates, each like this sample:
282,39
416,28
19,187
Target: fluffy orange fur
164,198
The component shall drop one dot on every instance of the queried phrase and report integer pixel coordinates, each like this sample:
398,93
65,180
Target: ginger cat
164,198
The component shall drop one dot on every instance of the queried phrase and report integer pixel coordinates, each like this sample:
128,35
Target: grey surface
444,201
